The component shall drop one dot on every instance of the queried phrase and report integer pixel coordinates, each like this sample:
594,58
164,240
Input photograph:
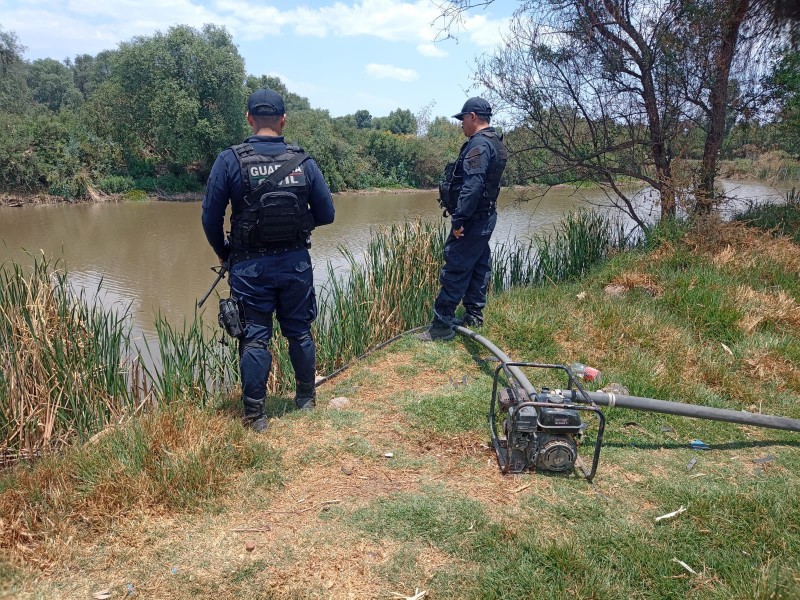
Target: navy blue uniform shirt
478,154
225,184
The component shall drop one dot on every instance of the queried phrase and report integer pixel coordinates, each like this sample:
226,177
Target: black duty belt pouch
231,317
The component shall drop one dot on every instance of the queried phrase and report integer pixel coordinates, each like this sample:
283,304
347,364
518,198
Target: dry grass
778,309
98,486
632,280
727,243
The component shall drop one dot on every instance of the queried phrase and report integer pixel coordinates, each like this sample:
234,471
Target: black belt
240,254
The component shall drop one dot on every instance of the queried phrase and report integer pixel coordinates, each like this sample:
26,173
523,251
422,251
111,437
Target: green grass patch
438,517
457,409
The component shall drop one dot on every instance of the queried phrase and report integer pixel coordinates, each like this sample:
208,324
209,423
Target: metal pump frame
502,453
519,382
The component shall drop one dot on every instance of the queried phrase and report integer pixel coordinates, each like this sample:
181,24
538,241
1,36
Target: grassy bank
399,491
770,166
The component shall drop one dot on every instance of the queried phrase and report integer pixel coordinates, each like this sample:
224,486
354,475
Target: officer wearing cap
469,195
267,252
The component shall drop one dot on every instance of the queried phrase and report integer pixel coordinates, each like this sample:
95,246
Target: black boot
468,320
305,398
438,330
254,414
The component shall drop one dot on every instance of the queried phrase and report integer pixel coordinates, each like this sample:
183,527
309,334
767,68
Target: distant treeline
153,114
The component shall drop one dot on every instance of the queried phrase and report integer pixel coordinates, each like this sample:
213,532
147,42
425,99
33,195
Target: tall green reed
391,291
65,366
190,362
582,239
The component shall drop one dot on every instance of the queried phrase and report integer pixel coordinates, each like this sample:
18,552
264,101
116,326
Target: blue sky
343,56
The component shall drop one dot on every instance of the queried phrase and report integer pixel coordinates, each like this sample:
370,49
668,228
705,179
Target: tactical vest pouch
278,221
231,317
449,189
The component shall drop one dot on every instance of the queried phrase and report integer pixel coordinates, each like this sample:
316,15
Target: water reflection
153,256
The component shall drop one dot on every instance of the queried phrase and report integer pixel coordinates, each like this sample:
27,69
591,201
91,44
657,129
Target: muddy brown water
154,258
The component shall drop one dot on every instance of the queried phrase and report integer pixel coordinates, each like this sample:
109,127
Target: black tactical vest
275,221
450,188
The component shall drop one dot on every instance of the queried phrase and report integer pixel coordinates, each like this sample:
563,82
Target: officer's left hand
458,233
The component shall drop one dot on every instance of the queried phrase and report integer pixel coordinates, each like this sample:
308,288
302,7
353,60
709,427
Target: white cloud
431,50
391,72
416,21
484,32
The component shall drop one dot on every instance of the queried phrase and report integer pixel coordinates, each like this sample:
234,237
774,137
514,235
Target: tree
363,120
613,88
176,98
784,86
52,84
592,87
89,72
14,93
398,121
717,39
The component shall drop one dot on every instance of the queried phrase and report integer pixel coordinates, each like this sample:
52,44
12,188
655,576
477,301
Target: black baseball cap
265,103
477,105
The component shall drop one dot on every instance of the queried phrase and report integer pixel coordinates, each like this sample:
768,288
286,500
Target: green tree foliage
89,72
14,93
784,83
171,101
40,151
315,131
440,144
175,98
399,121
363,120
52,84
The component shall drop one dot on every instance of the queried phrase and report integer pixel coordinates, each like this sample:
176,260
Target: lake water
153,256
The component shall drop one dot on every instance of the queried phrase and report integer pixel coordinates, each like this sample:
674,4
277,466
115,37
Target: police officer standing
267,253
469,195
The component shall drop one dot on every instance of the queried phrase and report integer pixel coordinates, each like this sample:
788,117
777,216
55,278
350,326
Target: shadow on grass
723,446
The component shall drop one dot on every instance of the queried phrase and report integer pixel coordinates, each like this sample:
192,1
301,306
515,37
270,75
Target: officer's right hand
458,233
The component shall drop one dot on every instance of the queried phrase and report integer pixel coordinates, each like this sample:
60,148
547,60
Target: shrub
116,184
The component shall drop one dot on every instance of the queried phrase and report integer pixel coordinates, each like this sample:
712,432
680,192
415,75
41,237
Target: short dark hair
267,121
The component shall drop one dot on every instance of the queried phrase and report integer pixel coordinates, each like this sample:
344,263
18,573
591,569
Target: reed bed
190,362
391,291
65,369
780,218
68,368
580,241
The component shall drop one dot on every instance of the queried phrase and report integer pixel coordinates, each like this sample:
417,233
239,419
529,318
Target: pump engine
541,432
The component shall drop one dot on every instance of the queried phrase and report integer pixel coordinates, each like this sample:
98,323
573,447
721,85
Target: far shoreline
19,199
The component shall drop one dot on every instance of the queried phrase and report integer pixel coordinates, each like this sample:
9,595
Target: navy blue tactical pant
282,285
466,271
